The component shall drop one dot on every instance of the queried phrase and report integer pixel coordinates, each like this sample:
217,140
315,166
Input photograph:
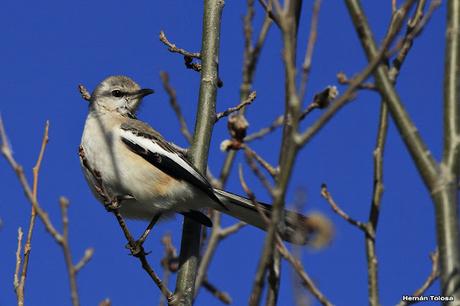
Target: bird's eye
117,93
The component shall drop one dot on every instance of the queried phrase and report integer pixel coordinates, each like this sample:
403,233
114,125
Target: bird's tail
295,227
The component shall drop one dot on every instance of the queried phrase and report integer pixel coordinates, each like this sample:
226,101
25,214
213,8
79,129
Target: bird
153,177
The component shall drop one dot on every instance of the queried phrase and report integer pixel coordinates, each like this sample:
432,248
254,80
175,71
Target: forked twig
61,239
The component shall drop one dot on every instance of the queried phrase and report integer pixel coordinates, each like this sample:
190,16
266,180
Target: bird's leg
136,247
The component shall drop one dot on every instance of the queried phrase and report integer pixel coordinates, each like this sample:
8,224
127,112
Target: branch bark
190,244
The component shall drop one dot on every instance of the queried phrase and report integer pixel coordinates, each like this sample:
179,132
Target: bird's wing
143,140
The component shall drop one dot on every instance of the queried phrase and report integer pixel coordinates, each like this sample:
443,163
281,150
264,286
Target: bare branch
251,57
84,92
300,270
64,204
415,27
258,282
344,80
306,66
61,239
89,252
191,231
232,229
8,154
273,171
175,105
268,9
297,265
429,280
321,100
19,286
222,296
441,187
242,104
173,48
262,178
19,297
328,197
170,262
356,81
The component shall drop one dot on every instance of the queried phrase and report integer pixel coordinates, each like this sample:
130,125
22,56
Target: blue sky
49,47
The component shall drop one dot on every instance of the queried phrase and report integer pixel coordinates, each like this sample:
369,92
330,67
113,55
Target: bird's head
118,94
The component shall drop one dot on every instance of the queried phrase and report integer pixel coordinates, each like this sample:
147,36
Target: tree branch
429,280
175,105
174,49
442,188
376,59
190,244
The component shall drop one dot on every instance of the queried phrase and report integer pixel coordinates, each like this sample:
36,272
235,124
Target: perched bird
151,176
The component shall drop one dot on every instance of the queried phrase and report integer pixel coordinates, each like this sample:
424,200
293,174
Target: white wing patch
152,146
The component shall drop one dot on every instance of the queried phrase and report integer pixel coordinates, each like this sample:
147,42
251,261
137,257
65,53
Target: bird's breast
123,172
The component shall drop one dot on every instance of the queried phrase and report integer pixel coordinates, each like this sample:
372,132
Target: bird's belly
124,173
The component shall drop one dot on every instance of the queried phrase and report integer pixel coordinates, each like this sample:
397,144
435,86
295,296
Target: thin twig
19,288
147,231
137,250
242,104
8,154
306,66
255,169
268,9
328,197
306,279
170,262
222,296
175,105
31,194
417,30
321,100
266,130
19,297
64,204
289,148
251,57
89,252
344,80
84,92
231,229
258,282
273,171
173,48
429,280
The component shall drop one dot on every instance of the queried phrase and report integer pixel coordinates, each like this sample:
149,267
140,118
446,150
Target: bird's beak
144,92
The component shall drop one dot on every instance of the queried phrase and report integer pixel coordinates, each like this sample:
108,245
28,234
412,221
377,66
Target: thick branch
199,150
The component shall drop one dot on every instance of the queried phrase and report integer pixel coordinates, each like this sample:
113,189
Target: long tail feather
295,228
